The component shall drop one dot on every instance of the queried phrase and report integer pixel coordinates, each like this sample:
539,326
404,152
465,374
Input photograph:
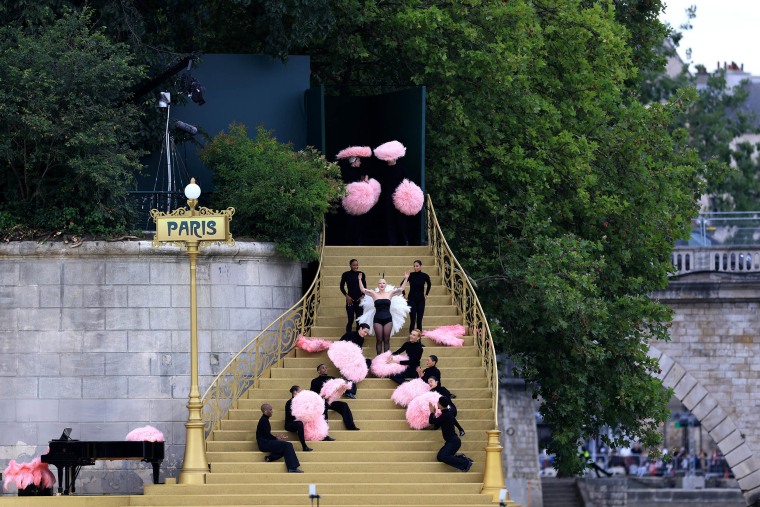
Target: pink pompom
312,344
316,430
376,188
307,406
333,389
446,335
391,150
359,198
145,434
418,411
408,391
354,151
408,198
382,368
348,358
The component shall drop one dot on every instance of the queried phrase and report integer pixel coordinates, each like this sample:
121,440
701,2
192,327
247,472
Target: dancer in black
431,368
413,349
383,321
349,286
445,421
340,407
417,295
275,444
291,424
356,337
438,388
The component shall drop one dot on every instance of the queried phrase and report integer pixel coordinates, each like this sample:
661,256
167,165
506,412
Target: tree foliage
279,194
65,132
560,192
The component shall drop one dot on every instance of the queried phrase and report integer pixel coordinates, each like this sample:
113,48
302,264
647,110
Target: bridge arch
720,425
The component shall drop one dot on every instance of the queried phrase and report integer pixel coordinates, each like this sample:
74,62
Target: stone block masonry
96,338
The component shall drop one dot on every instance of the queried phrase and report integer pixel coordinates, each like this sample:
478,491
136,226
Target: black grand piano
69,456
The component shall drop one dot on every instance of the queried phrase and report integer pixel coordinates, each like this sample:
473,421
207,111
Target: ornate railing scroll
466,301
261,353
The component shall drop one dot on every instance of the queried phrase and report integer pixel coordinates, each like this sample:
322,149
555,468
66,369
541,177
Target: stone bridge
713,359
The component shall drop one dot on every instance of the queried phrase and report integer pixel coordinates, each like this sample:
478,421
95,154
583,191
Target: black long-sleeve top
264,429
442,391
431,371
416,283
349,284
289,418
413,350
317,383
353,337
446,423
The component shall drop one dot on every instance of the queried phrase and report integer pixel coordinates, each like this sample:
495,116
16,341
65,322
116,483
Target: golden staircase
386,463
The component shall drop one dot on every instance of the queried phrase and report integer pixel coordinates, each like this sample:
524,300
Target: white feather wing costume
399,311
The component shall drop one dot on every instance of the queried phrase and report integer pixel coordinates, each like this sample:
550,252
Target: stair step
454,385
362,402
349,477
302,498
276,394
344,467
471,443
325,489
338,432
368,425
335,332
339,457
451,372
308,362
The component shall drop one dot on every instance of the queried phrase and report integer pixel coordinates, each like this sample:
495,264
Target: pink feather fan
376,188
360,198
408,198
25,474
391,150
145,434
382,368
307,406
408,391
312,344
418,411
354,151
446,335
348,358
316,430
333,389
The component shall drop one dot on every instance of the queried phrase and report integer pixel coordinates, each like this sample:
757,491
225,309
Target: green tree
66,150
279,194
560,192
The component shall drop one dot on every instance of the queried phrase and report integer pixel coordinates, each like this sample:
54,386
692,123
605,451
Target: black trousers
416,312
353,312
297,427
345,412
410,372
447,454
278,449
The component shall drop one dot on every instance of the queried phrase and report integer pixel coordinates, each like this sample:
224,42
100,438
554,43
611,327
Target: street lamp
191,229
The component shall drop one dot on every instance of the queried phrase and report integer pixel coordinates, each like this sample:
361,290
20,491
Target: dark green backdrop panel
370,121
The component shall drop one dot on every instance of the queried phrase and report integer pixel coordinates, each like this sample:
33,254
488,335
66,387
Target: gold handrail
456,280
466,301
261,353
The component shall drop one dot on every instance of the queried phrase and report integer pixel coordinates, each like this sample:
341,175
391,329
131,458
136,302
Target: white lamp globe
192,190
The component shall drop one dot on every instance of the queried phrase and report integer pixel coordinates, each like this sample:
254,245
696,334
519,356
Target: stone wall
97,338
517,410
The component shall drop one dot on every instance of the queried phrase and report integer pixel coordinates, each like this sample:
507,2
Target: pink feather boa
145,434
382,368
307,406
24,474
391,150
348,358
408,391
354,151
333,389
447,335
418,411
360,198
312,344
408,198
316,430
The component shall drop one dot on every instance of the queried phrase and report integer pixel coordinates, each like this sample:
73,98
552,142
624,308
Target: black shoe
467,468
307,449
461,433
268,459
453,396
328,438
297,471
350,396
353,429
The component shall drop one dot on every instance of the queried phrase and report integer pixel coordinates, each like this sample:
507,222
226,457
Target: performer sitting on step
274,444
445,421
340,407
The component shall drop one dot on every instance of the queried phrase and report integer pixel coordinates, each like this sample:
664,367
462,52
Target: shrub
279,194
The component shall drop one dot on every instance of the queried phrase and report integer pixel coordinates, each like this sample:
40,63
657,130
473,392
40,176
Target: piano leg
60,478
156,467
